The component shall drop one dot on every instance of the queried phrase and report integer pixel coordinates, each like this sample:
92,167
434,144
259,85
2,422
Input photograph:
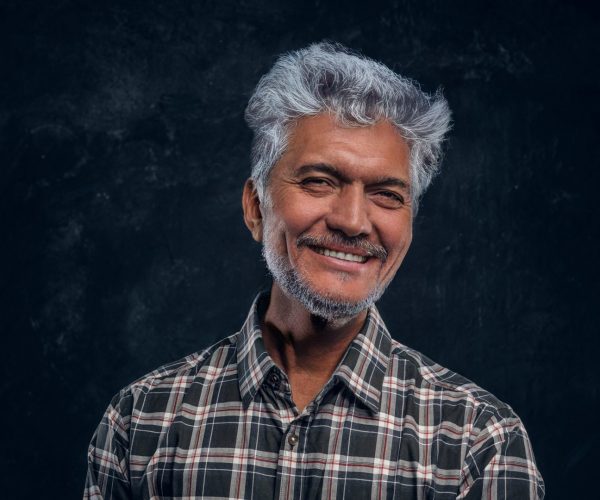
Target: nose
349,212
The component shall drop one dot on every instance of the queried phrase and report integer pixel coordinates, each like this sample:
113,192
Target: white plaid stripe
389,424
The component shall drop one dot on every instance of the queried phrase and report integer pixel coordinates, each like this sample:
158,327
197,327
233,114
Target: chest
267,450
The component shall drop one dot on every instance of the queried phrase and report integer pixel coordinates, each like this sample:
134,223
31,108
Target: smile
340,255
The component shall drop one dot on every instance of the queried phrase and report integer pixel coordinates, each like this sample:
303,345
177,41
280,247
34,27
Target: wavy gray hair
327,77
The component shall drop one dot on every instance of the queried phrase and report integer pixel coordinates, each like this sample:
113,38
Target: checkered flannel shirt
389,424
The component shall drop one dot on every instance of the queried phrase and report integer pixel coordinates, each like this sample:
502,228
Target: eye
317,184
390,199
315,181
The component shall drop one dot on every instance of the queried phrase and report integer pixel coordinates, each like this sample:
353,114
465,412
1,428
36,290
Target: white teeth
341,255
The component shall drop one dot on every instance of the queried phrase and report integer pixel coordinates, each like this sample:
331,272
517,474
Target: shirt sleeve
500,465
108,454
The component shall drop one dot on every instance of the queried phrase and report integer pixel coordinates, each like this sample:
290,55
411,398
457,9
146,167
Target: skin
352,181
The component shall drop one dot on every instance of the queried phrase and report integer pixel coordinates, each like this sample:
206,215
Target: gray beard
294,286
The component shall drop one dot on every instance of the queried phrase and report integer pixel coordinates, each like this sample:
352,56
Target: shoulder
455,395
140,414
487,436
157,387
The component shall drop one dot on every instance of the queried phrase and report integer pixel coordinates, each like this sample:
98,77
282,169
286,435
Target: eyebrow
334,172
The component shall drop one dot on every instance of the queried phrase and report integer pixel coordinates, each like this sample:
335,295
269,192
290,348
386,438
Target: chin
320,301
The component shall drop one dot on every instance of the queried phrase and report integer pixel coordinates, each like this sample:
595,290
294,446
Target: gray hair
358,91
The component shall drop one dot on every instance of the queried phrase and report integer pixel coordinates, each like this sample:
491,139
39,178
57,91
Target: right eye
317,186
315,181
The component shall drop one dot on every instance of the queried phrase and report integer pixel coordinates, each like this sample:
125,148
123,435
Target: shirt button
293,440
274,380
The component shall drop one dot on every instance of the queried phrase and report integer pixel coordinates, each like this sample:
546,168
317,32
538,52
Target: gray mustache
358,242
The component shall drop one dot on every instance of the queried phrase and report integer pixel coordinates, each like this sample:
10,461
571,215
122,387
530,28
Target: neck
306,347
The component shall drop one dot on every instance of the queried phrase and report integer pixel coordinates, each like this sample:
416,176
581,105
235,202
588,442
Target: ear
251,208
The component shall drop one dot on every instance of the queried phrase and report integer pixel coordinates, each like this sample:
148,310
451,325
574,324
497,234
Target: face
338,219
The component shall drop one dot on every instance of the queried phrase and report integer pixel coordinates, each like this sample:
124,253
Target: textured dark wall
123,152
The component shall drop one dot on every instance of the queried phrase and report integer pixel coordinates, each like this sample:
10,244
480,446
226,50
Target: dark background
122,156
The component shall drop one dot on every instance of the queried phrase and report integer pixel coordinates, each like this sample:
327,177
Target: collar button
274,380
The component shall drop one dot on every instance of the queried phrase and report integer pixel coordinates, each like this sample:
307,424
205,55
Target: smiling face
338,219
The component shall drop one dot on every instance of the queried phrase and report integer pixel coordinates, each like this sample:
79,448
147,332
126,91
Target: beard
294,285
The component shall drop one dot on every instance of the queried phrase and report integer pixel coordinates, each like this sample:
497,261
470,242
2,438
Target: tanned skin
331,179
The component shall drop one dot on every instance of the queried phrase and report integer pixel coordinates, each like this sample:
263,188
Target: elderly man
313,398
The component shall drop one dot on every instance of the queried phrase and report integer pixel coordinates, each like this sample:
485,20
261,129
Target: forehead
377,149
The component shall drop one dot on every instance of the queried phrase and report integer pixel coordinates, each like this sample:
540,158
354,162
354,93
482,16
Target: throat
305,387
306,347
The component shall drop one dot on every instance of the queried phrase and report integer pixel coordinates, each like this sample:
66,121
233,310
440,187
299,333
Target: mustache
333,239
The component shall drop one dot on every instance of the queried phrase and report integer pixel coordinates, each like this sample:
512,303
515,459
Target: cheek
282,233
297,218
399,239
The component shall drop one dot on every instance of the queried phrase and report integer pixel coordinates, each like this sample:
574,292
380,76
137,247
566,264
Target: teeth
341,255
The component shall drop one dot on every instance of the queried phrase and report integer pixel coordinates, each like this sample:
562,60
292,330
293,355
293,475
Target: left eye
391,197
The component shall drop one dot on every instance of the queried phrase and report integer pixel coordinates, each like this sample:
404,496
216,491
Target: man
313,398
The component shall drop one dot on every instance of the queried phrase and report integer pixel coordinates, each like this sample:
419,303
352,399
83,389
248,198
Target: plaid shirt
389,424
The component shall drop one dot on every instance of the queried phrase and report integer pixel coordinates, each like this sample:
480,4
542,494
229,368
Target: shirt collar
362,368
253,361
366,361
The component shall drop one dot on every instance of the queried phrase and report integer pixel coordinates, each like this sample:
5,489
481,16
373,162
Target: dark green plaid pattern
390,423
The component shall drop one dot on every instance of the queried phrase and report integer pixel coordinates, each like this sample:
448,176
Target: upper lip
338,243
